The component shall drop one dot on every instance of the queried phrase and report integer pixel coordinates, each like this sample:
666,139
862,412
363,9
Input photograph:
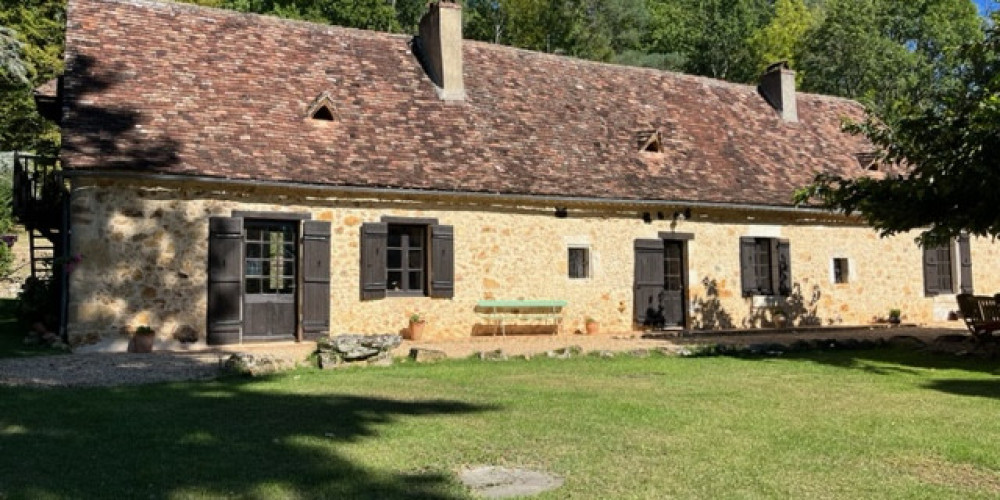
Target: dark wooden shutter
965,261
225,280
748,269
648,282
373,244
315,279
783,265
930,271
442,262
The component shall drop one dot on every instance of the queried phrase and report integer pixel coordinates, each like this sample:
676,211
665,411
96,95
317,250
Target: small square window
579,263
841,270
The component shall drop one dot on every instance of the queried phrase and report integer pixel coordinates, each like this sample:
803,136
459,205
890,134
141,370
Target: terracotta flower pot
593,327
417,330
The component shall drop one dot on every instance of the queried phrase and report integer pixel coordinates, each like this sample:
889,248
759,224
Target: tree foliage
946,150
32,36
783,37
885,52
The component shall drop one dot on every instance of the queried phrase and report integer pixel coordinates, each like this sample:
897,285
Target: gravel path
114,369
107,369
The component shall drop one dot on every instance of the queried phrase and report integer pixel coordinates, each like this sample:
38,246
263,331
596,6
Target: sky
986,5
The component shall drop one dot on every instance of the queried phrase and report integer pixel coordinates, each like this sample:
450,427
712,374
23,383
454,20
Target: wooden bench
981,314
502,312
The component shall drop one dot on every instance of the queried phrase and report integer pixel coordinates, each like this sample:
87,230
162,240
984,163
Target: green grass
862,424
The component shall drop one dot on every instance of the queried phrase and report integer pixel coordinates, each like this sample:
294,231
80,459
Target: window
765,266
579,262
649,141
841,270
940,267
406,259
322,108
270,258
323,113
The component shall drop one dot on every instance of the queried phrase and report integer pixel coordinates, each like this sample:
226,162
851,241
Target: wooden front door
269,280
672,298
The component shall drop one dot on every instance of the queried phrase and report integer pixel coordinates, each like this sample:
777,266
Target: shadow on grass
980,388
887,360
221,439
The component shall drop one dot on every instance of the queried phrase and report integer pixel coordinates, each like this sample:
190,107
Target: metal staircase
40,205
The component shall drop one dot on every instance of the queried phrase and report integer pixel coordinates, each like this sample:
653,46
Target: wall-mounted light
562,212
682,214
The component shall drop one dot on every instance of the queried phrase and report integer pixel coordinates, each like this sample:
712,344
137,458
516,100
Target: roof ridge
565,59
230,13
618,66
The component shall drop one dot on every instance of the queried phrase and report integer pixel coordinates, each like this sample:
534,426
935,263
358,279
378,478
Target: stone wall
145,255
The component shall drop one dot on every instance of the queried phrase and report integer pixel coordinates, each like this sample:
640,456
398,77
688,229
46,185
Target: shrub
38,301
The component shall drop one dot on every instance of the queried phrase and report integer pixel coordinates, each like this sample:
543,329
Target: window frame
438,259
766,254
405,250
588,263
845,273
959,276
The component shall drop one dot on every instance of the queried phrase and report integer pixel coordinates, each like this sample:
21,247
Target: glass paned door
269,280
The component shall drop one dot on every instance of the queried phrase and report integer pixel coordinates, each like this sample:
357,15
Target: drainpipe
64,232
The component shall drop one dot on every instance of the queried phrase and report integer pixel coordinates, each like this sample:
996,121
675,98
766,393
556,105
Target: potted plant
894,316
417,323
592,326
142,340
780,319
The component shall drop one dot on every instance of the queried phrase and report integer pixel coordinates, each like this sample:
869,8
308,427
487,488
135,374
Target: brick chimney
777,86
440,45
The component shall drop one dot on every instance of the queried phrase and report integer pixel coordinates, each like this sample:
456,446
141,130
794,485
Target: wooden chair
981,314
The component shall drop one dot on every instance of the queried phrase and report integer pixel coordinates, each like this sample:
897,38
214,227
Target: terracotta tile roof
188,90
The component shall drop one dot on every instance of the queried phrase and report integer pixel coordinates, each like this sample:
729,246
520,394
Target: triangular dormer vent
868,161
649,141
322,108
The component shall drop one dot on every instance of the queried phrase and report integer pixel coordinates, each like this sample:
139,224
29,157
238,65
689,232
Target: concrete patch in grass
503,482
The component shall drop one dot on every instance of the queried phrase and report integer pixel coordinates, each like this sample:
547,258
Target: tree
13,71
364,14
885,51
721,47
782,38
947,150
36,27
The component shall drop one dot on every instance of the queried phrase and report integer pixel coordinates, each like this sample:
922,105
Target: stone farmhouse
240,178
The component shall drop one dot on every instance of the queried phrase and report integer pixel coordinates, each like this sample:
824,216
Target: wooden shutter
965,262
748,269
442,262
225,280
648,282
373,245
315,279
930,271
783,265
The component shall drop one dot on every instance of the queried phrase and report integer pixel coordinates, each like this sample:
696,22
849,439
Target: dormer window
649,141
868,161
323,113
322,108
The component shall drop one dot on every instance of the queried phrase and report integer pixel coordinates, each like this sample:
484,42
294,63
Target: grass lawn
862,424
